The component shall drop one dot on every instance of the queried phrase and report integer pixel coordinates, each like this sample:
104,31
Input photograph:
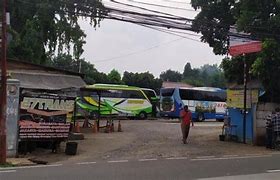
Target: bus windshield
167,91
151,94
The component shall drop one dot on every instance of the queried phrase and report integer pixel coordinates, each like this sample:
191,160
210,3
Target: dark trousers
185,131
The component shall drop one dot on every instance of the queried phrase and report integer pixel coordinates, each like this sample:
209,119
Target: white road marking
8,171
254,154
229,158
176,158
171,123
273,170
204,157
147,160
103,138
30,167
230,155
274,153
86,163
118,161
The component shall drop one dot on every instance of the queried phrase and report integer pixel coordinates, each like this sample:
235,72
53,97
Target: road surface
258,166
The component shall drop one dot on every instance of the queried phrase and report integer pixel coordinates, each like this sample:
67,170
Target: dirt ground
151,139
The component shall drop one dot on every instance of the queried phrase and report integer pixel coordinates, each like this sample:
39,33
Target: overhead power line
173,1
172,33
163,6
145,9
137,52
154,18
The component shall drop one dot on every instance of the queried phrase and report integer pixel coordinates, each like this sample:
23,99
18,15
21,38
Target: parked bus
150,93
154,99
204,102
120,100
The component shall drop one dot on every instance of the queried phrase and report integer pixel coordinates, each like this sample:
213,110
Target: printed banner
47,104
38,131
235,98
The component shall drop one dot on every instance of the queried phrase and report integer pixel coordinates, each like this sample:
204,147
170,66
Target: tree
114,77
91,75
267,69
66,62
170,75
210,69
41,28
214,21
187,70
259,18
144,80
206,75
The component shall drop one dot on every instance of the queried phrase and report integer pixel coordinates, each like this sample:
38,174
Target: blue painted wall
236,116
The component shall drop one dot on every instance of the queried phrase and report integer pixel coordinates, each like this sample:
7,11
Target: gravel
153,139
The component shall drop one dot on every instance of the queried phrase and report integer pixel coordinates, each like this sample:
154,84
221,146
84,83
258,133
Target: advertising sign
48,104
235,98
29,130
50,107
44,115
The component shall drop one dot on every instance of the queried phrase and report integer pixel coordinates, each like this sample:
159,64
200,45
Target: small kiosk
236,128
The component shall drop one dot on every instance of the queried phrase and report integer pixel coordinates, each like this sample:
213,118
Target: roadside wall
12,116
263,110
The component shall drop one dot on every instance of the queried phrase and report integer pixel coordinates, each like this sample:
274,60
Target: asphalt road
224,167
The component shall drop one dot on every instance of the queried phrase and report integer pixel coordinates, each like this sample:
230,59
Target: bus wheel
142,115
200,117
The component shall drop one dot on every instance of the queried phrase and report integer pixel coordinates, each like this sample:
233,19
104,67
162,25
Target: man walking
275,128
186,119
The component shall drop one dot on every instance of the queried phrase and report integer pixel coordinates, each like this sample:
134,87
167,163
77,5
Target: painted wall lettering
47,104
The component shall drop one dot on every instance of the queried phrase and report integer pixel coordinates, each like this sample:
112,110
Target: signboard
50,107
251,47
241,43
46,104
29,130
235,98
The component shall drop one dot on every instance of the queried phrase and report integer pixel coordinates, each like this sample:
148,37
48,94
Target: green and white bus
120,100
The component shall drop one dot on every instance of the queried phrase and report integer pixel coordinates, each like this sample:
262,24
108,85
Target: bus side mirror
155,98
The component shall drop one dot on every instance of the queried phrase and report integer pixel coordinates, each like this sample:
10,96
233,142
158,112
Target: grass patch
7,165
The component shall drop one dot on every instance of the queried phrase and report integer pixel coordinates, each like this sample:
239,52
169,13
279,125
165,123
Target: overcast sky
133,48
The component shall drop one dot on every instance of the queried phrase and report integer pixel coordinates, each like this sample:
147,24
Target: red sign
245,48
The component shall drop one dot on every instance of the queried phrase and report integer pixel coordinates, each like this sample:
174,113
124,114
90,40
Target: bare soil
151,139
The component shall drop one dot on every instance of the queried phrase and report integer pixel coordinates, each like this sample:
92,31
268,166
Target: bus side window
134,94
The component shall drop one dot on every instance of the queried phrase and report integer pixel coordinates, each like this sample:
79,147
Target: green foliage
115,77
144,80
7,165
214,21
234,68
187,70
259,18
41,28
91,75
267,68
206,75
169,75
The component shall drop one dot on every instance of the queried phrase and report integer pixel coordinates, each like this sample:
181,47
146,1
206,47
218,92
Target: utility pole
245,99
80,66
3,95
